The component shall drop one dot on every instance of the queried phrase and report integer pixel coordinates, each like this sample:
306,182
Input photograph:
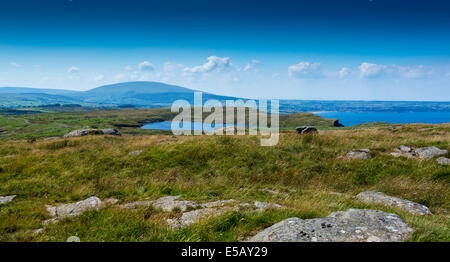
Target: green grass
127,121
305,169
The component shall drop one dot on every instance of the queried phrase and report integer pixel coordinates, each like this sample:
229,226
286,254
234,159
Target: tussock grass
306,170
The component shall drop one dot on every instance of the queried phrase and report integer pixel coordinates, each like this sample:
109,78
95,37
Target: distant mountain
155,94
141,94
28,90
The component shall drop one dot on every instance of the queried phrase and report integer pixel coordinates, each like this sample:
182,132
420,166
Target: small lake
167,125
355,118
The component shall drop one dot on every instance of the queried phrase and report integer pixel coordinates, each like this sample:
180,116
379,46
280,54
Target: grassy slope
211,168
59,123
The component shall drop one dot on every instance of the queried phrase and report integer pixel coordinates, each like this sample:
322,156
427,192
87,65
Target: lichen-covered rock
381,198
353,225
73,209
429,152
443,161
6,199
358,154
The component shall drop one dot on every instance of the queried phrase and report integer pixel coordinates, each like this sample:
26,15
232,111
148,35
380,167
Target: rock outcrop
429,152
381,198
85,132
337,124
75,133
306,130
422,153
353,225
73,209
167,204
358,154
191,217
6,199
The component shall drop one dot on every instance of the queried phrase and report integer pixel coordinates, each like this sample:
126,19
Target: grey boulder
306,130
381,198
429,152
353,225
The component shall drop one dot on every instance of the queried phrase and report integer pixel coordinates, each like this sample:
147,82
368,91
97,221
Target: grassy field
305,170
31,125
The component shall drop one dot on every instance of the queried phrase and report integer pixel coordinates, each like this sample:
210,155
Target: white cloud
252,66
172,67
415,72
214,64
128,68
146,66
14,64
305,70
368,70
73,70
344,72
275,74
99,78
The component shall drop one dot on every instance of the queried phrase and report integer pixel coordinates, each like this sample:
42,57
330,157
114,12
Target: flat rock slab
6,199
443,161
381,198
353,225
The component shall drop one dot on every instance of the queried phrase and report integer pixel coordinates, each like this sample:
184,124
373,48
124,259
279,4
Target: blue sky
348,49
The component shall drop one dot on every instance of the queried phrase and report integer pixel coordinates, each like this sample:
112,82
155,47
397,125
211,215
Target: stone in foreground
381,198
429,152
443,161
353,225
6,199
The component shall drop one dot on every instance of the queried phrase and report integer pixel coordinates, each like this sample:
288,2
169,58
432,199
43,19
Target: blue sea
355,118
345,118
